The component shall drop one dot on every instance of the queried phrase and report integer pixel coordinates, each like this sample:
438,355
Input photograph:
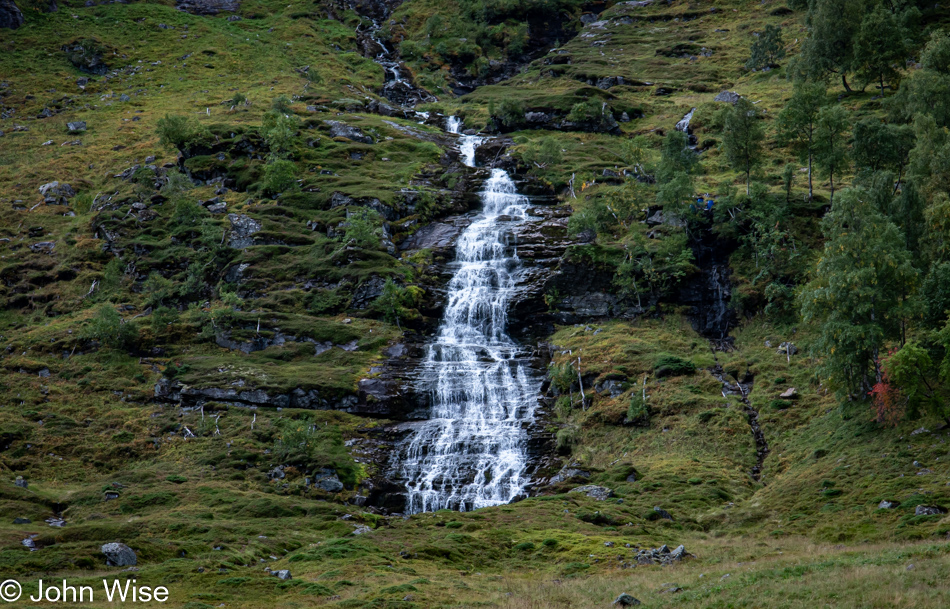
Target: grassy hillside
182,343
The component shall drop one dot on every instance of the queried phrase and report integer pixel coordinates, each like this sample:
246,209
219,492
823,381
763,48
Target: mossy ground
202,513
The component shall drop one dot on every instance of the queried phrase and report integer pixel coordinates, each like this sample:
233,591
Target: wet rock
55,193
119,555
625,600
327,480
242,230
338,129
600,493
10,15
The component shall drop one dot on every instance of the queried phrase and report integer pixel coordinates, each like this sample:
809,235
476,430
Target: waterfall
467,143
472,451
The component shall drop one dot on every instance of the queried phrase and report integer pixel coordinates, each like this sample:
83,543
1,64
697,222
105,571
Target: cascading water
472,452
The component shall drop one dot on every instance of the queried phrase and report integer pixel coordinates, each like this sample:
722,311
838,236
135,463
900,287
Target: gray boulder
76,127
327,480
662,513
20,520
728,97
929,510
887,505
119,555
21,482
338,129
568,472
600,493
283,574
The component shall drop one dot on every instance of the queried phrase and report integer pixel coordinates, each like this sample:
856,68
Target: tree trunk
882,84
832,178
811,192
844,81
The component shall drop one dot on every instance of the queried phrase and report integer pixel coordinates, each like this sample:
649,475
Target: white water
683,124
467,143
472,452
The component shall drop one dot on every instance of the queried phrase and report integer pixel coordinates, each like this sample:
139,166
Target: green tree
926,91
859,297
831,151
881,44
742,137
398,302
766,49
876,146
279,131
109,329
829,47
280,175
157,289
798,121
361,229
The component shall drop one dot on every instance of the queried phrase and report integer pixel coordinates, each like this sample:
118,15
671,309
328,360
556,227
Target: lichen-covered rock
119,555
55,193
242,230
600,493
338,129
327,480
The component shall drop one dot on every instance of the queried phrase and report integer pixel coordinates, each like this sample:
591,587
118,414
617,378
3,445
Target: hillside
231,241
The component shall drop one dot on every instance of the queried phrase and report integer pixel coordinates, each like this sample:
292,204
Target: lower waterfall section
472,452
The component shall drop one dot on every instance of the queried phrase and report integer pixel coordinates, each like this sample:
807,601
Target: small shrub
361,229
638,413
566,438
524,546
110,330
280,176
549,543
176,478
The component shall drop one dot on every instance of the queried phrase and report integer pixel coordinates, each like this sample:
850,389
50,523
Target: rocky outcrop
208,7
10,15
339,129
55,193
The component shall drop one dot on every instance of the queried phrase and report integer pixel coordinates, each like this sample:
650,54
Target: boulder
283,574
789,394
10,15
625,600
887,505
76,127
929,510
327,480
21,482
787,348
600,493
727,97
660,512
338,129
568,472
119,555
19,520
55,193
87,56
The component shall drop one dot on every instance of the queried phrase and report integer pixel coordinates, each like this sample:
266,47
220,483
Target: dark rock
87,56
727,97
19,520
119,555
21,482
625,600
660,512
600,493
208,7
929,510
327,480
367,292
10,15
